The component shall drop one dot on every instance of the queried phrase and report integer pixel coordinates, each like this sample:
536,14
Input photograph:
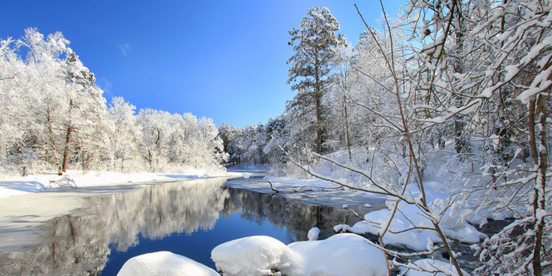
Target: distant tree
86,104
125,134
156,133
315,44
44,81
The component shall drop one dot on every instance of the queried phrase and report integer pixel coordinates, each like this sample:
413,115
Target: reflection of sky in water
197,245
188,218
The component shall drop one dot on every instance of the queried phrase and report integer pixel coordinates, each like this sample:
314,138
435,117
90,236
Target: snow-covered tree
86,107
315,44
124,135
52,115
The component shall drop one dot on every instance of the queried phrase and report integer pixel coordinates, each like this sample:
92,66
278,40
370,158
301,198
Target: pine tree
315,44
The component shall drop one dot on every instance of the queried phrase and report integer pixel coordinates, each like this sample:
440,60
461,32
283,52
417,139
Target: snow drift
343,254
164,263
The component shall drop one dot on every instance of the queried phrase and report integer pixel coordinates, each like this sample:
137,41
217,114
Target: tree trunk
346,124
68,138
52,140
66,151
318,126
539,151
461,143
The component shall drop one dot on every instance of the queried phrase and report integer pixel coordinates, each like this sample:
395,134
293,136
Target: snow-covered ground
10,186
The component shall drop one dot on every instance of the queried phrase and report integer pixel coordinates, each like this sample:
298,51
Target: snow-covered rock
164,263
255,255
343,254
313,234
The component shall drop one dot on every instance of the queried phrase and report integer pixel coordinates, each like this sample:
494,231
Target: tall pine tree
315,45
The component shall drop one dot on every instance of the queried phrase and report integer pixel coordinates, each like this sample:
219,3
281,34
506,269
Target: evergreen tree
315,44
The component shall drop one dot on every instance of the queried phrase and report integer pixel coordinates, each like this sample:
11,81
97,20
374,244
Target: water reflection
79,244
297,218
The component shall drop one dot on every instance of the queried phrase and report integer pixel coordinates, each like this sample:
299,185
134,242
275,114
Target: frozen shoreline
12,186
26,204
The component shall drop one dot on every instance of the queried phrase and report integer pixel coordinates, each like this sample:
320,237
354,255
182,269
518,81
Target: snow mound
415,239
407,228
255,255
164,263
431,267
313,234
12,188
343,254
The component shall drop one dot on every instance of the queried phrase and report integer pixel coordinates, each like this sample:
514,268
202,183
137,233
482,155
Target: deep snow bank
411,227
343,254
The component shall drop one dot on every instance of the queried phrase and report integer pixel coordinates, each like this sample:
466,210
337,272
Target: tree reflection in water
79,244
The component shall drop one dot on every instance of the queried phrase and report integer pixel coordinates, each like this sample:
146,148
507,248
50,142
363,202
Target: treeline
334,111
54,117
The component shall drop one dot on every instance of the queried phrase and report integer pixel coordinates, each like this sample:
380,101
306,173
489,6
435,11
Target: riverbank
27,203
18,185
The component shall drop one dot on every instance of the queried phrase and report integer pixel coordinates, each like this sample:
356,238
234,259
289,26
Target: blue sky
225,60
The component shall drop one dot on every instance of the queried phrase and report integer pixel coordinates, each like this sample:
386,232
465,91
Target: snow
511,71
495,139
409,217
342,254
12,186
313,234
541,213
254,255
164,263
308,191
431,268
414,239
19,187
308,182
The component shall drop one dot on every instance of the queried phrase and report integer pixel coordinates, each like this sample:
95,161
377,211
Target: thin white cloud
124,48
105,85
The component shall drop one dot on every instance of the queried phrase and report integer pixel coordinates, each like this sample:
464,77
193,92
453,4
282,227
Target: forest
455,91
54,118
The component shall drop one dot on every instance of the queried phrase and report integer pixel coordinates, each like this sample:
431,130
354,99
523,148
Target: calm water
188,218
